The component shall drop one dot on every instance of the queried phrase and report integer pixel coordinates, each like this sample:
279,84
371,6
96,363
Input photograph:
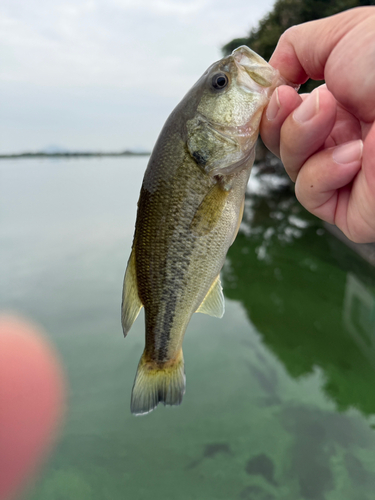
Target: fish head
233,93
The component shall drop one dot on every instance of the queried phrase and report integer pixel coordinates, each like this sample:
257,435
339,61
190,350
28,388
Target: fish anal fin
209,211
156,384
213,304
131,303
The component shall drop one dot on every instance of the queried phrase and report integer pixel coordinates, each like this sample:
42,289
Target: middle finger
305,131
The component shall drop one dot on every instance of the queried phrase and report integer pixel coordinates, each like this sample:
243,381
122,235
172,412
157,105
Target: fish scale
159,293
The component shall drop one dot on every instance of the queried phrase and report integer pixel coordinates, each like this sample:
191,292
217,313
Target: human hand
326,139
31,403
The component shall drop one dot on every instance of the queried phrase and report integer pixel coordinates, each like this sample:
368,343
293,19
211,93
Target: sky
105,74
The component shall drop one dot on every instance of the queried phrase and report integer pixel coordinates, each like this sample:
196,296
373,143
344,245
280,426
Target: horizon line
43,154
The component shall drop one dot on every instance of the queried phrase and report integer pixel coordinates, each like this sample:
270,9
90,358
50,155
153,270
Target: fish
189,212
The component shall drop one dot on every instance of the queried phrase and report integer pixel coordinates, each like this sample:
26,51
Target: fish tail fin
158,384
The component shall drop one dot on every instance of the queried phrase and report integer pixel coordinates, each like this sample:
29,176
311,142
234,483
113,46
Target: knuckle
289,33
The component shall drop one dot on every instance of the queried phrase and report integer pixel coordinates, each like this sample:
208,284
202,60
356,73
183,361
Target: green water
280,400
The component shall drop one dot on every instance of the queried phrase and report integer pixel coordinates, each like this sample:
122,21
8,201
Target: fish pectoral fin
131,303
209,211
240,215
213,303
158,384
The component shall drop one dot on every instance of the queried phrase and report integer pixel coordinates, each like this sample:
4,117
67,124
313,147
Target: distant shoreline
73,154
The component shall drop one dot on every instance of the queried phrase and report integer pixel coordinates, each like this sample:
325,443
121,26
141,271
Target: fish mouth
259,71
254,73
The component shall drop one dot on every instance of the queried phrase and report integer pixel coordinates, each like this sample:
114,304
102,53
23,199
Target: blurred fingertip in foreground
32,401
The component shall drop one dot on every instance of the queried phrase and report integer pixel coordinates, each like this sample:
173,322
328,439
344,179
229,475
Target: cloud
139,51
163,7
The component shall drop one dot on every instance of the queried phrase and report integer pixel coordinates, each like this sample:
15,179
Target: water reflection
311,298
256,423
324,452
262,465
359,314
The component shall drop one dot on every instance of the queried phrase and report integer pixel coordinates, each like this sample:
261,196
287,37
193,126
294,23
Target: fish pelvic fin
156,384
213,304
131,303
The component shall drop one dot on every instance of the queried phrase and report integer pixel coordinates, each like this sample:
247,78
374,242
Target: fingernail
273,106
308,108
349,152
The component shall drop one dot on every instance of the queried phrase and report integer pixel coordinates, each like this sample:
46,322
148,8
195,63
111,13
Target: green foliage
286,13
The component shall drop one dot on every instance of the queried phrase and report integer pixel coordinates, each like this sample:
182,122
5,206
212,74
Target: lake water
280,401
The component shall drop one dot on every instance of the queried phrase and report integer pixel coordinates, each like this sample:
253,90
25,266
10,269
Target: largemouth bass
189,211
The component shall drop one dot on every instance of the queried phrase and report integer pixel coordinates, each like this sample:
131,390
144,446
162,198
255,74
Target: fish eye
219,81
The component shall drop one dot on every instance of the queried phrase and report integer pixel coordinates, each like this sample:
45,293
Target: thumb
303,50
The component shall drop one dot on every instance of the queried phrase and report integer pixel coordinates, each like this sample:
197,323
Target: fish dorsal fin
209,211
131,303
213,303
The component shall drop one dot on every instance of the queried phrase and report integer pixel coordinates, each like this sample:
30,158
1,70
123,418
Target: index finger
303,50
